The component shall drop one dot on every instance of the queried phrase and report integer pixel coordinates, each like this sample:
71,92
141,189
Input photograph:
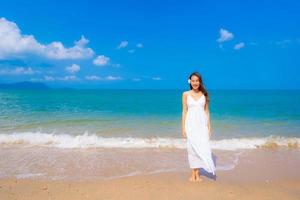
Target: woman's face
195,82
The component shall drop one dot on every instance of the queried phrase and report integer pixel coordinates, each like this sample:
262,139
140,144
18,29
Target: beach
260,174
125,144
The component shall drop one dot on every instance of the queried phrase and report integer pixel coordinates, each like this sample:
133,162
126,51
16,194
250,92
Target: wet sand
259,174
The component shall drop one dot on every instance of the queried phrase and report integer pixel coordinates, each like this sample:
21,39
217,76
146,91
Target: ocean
111,123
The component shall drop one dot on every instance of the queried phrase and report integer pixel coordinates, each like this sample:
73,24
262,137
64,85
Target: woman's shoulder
185,93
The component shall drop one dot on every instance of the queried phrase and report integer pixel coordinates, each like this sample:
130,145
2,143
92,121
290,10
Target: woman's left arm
208,118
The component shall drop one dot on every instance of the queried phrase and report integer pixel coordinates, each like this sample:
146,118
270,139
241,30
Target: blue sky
151,44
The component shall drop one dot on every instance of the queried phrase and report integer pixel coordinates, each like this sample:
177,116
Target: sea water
70,120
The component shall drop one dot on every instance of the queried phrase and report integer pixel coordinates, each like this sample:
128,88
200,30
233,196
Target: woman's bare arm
208,117
184,111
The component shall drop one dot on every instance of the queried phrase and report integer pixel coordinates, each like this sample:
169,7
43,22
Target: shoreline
44,163
260,174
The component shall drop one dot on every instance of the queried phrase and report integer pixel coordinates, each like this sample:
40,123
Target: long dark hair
201,85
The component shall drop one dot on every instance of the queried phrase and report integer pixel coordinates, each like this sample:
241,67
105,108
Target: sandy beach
259,174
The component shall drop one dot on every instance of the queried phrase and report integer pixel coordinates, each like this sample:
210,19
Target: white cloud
239,45
101,60
73,68
123,44
93,78
139,45
225,35
49,78
82,42
67,78
56,50
113,78
64,78
15,44
18,71
156,78
97,78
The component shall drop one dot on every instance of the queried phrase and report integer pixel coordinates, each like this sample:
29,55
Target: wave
87,140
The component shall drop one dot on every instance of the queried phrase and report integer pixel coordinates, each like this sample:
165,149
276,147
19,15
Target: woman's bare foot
192,179
198,179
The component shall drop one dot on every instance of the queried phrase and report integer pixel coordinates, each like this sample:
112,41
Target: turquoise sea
108,117
106,134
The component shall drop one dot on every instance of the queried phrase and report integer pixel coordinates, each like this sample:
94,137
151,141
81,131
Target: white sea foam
87,140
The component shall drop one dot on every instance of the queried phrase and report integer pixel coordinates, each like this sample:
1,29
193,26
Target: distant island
24,85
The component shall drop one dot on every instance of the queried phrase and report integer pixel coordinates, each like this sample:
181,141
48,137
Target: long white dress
198,146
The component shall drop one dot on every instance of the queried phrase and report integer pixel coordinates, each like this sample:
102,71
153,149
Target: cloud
239,45
49,78
14,44
113,78
68,78
225,35
82,42
64,78
73,68
156,78
123,44
108,78
92,78
101,60
18,71
56,50
139,45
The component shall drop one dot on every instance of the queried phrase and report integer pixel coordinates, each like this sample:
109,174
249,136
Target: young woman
196,127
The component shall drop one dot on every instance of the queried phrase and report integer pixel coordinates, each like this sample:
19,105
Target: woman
196,127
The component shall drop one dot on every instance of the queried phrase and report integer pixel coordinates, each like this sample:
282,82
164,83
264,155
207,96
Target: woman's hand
209,131
183,133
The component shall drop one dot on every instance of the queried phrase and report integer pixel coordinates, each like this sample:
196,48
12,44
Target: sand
262,174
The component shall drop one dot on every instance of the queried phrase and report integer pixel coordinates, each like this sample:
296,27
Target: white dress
198,147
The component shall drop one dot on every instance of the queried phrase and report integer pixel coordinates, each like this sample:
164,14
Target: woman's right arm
184,110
